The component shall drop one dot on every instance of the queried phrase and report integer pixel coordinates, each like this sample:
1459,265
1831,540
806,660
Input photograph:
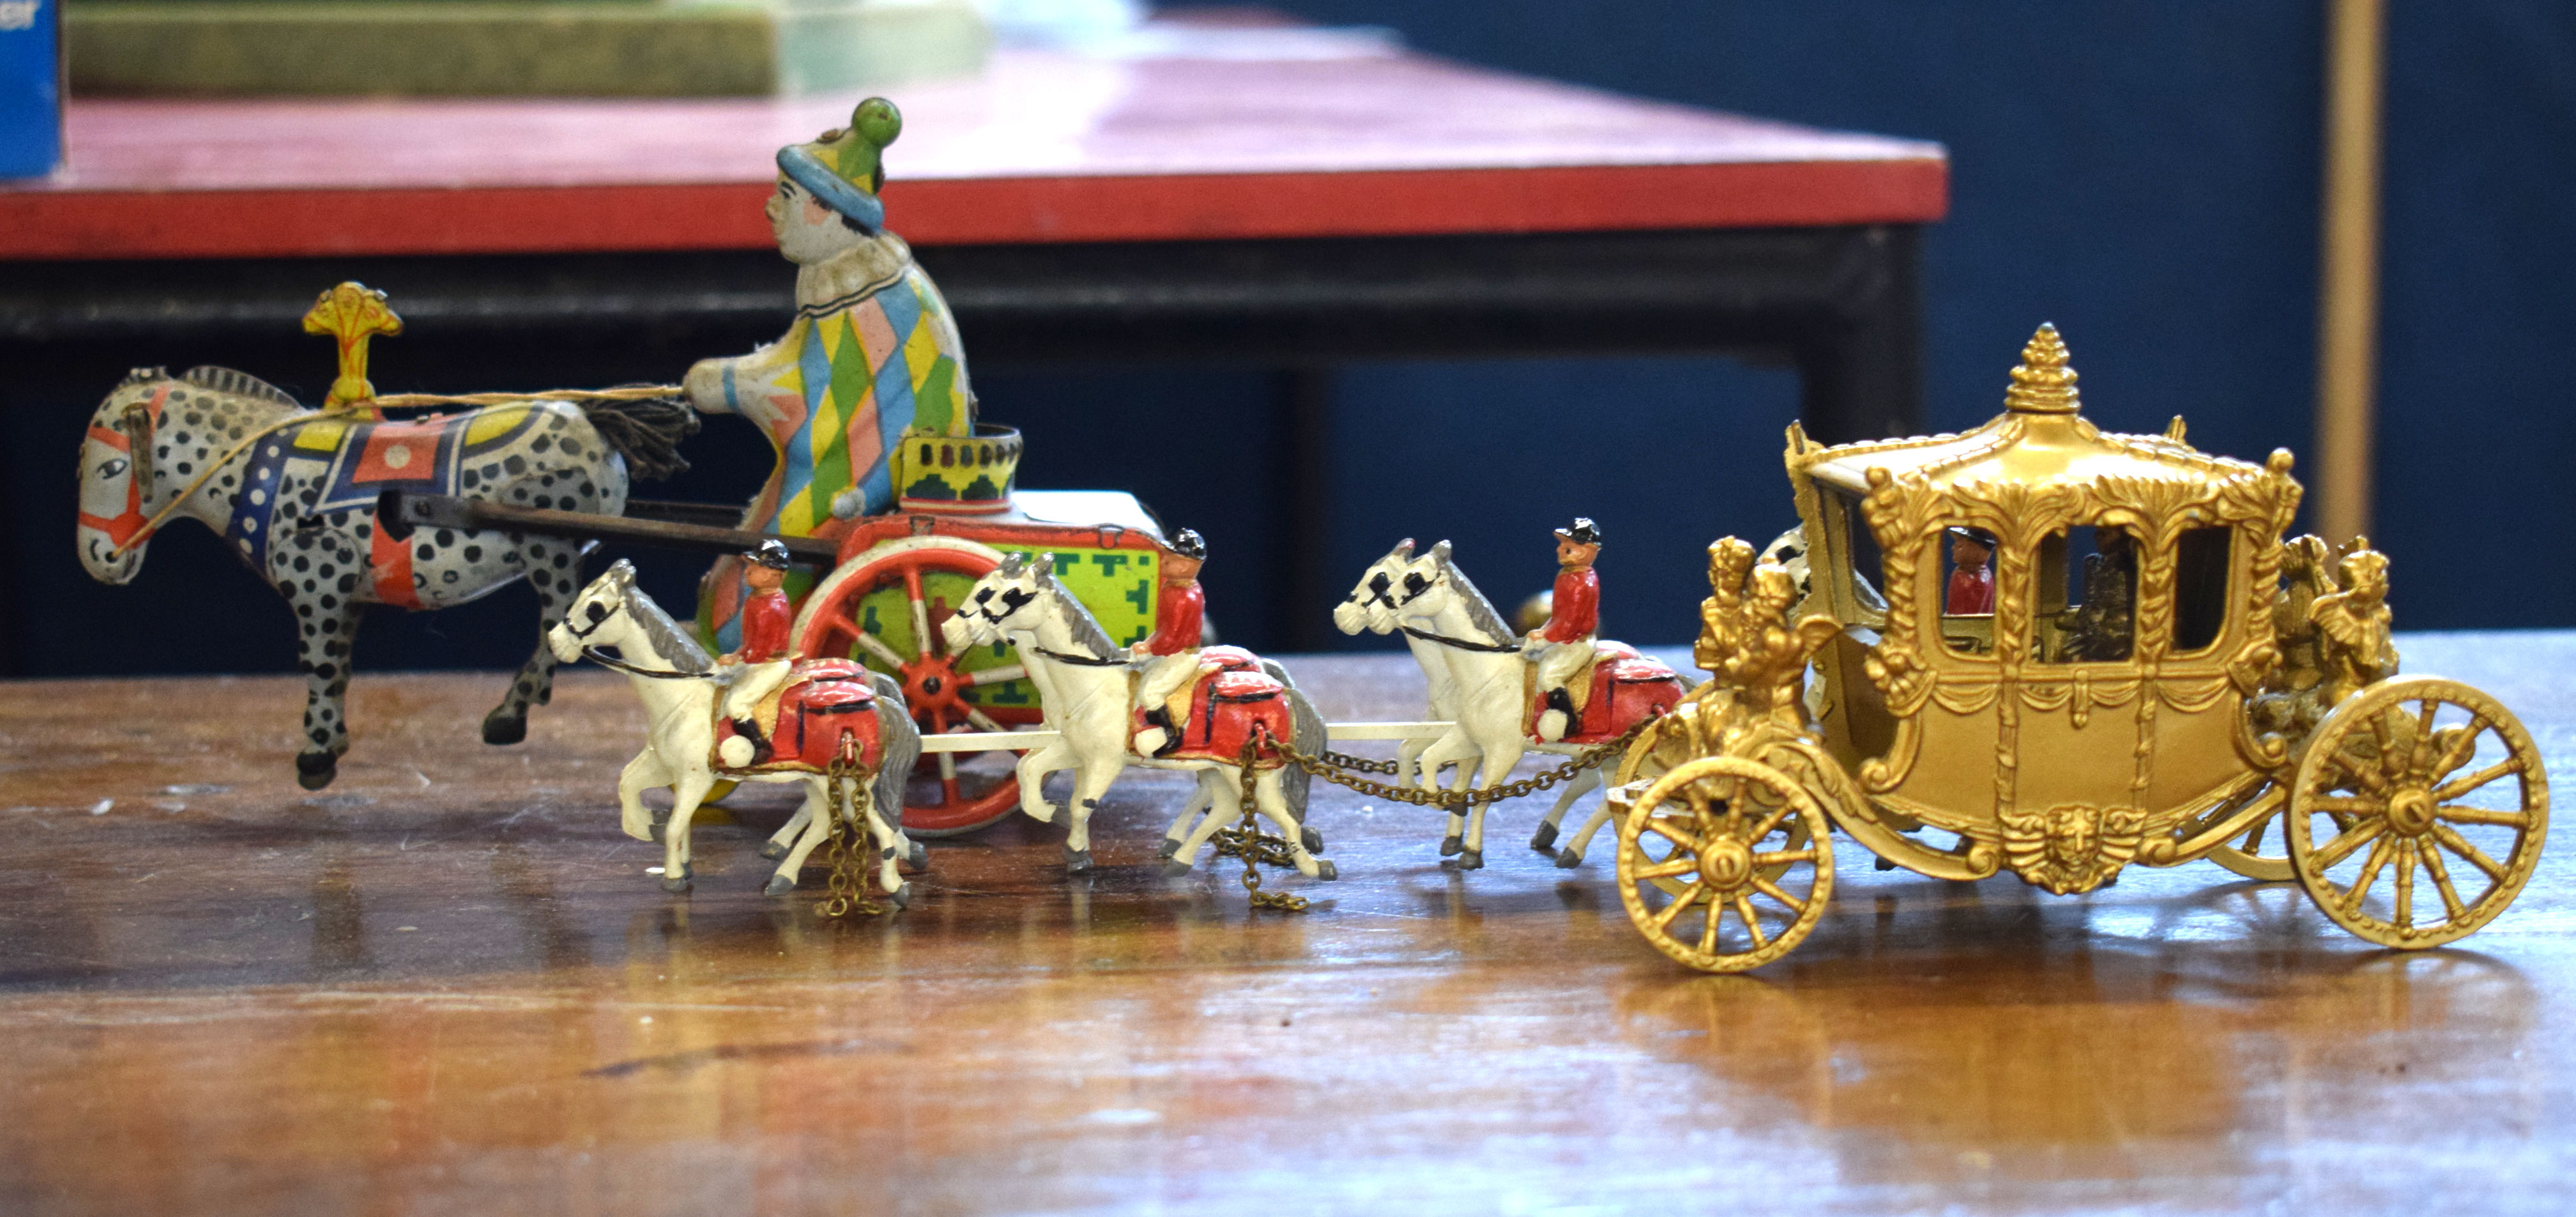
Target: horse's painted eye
112,467
1416,584
984,595
598,612
1378,583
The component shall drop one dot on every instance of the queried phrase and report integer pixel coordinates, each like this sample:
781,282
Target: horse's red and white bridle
133,437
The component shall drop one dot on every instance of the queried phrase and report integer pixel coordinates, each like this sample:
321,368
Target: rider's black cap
771,554
1584,531
1964,533
1189,544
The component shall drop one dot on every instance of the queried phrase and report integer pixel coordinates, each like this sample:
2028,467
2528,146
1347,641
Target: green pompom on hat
845,167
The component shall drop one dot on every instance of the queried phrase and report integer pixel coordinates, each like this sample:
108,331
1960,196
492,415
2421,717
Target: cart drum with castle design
900,575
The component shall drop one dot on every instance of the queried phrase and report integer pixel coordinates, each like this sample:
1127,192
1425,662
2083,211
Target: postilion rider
1563,646
761,664
1170,657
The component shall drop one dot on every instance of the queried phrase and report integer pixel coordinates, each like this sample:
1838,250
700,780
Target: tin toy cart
2194,687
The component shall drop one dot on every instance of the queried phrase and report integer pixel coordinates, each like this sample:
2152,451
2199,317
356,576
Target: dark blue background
2145,175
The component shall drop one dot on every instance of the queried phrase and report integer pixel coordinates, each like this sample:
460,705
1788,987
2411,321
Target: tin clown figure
1169,658
1564,644
872,354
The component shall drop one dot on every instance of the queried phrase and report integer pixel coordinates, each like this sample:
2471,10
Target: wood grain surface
447,985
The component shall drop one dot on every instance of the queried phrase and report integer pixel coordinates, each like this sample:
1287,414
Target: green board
581,48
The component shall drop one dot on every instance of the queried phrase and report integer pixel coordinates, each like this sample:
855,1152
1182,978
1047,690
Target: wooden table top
447,984
1196,133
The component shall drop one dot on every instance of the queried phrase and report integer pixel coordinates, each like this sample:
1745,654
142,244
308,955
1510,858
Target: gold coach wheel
1724,864
2418,812
2262,851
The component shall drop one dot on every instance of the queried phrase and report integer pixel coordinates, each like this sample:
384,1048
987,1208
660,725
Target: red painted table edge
71,224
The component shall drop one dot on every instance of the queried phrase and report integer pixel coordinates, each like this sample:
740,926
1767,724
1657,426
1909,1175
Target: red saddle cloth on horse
1627,687
1226,709
1228,659
821,701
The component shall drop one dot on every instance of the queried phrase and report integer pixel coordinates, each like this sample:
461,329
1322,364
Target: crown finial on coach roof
2043,384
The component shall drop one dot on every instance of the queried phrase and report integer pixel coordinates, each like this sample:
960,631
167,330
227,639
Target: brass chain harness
1248,842
846,848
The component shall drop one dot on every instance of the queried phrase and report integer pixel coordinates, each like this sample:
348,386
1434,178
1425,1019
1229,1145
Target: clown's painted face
808,232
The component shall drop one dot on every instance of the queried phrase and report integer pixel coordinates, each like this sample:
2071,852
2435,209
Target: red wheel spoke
877,646
920,602
831,623
962,802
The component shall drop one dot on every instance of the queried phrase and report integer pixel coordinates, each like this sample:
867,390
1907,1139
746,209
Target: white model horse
1086,689
680,685
293,492
1371,606
1491,691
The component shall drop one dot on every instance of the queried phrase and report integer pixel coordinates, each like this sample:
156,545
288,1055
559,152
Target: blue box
31,87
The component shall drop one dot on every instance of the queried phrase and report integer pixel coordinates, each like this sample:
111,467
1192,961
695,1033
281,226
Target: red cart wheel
914,583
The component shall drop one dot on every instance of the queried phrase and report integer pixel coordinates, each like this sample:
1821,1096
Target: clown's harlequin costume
873,355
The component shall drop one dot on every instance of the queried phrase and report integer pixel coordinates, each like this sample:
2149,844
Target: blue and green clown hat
844,168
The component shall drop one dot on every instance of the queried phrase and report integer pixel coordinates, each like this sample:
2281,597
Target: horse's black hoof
779,885
1311,839
314,770
1170,847
1449,846
903,896
1326,871
675,886
772,850
920,857
1544,840
1077,861
501,727
1567,859
1467,859
1177,868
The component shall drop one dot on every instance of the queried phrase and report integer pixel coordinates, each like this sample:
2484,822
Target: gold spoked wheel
2263,852
2418,812
1724,864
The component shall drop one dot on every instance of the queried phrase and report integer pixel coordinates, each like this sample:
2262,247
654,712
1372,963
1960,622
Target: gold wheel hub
2410,811
1726,863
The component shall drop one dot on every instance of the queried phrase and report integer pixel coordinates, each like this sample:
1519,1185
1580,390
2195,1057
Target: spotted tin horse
298,506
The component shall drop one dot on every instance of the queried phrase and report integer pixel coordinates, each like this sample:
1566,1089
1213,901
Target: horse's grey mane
239,384
668,640
1077,619
1480,611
